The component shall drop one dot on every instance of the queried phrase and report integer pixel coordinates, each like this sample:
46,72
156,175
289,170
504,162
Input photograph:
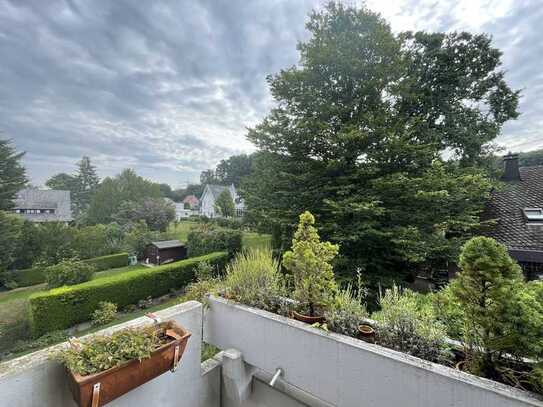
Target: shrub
206,282
101,353
36,275
448,311
487,290
208,238
254,279
309,261
104,314
63,307
108,262
346,313
409,325
68,272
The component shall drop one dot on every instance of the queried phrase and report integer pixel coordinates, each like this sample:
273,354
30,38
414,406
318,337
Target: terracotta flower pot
366,332
100,388
308,319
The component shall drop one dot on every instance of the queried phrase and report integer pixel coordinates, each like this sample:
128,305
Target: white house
182,213
210,195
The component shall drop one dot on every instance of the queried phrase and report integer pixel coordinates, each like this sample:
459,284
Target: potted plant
310,263
106,367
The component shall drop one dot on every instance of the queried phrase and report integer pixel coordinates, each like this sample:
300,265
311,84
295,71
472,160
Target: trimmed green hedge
36,275
63,307
112,261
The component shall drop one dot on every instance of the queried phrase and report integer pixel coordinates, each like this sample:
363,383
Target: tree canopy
127,186
360,132
224,204
12,174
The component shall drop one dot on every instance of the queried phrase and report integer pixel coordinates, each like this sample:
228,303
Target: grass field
250,239
13,304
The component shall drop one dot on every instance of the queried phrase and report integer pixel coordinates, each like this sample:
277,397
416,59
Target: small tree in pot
310,263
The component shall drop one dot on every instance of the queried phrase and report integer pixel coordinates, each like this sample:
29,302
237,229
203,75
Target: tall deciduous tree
12,174
234,169
224,204
10,231
62,181
157,213
127,186
359,132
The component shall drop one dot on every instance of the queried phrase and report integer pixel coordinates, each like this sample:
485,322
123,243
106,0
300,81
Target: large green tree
62,181
12,174
224,204
233,169
360,132
127,186
86,183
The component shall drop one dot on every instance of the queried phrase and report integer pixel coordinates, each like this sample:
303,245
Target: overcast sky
168,87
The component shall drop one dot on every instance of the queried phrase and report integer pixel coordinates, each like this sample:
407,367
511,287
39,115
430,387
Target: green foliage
10,231
207,238
63,307
346,313
487,290
253,278
309,261
530,158
357,137
234,169
448,312
12,174
101,353
127,186
224,204
410,325
207,281
104,314
139,236
111,261
68,272
157,213
36,275
25,345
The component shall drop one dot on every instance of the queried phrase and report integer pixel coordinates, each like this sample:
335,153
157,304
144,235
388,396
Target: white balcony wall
346,372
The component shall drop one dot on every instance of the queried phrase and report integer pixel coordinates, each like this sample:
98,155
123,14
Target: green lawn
250,239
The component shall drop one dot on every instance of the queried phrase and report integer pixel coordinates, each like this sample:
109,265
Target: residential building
517,209
210,195
183,213
44,205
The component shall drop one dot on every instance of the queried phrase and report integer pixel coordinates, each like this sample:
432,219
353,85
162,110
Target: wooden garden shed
166,251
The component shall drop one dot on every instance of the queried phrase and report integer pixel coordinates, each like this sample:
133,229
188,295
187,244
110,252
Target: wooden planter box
101,388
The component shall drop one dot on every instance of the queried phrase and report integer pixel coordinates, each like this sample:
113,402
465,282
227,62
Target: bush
207,238
486,290
63,307
104,314
310,264
101,353
254,279
207,281
112,261
68,272
36,275
346,313
409,325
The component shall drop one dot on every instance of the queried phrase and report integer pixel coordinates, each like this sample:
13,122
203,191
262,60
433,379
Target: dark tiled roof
58,200
167,244
506,207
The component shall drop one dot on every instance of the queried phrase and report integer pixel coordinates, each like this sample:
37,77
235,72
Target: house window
533,214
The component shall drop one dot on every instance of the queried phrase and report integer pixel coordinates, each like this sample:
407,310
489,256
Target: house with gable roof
210,195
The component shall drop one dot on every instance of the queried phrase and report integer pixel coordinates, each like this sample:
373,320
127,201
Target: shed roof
168,244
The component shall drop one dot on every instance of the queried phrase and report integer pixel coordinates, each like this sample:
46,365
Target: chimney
511,172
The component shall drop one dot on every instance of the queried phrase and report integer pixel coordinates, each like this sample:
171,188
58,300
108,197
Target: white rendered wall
346,372
35,381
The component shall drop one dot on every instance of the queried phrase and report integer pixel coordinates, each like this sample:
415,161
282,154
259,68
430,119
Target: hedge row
63,307
112,261
36,275
208,238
